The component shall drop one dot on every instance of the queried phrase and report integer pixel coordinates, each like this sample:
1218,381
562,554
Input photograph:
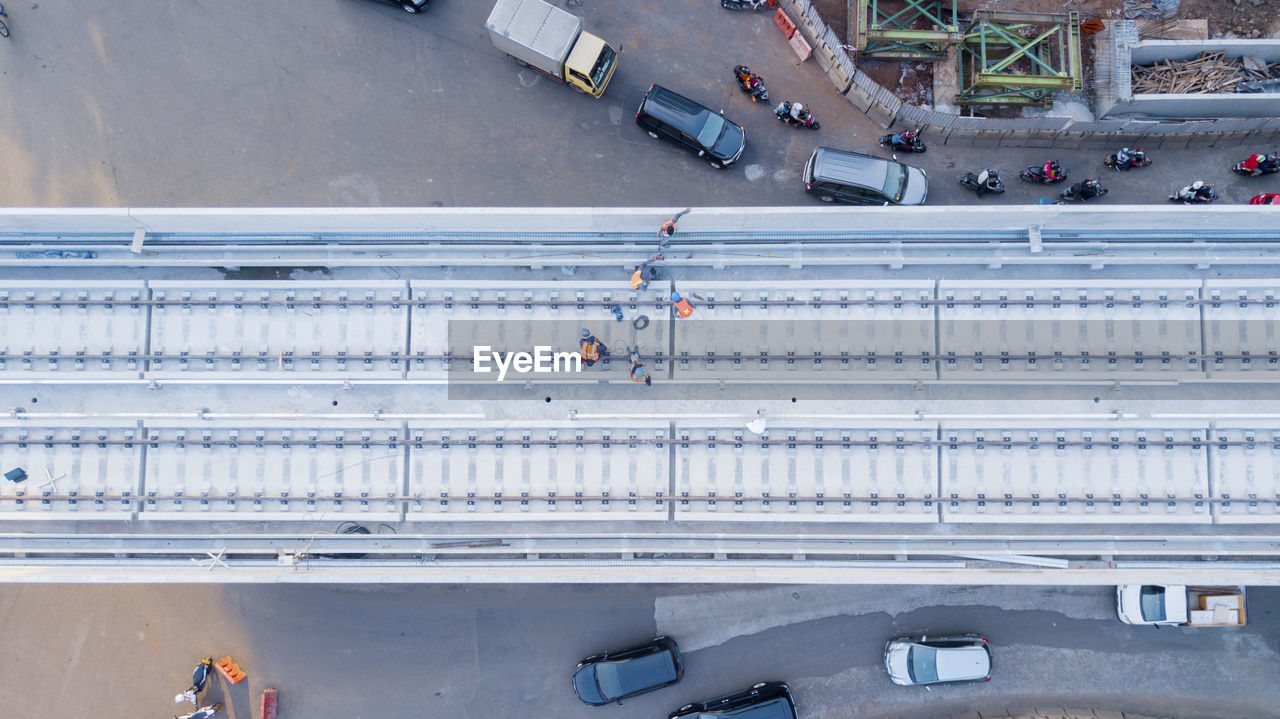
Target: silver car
938,660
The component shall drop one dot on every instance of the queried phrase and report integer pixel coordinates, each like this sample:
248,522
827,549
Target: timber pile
1211,72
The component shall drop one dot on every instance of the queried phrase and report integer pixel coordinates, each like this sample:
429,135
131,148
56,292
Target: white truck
1155,604
553,43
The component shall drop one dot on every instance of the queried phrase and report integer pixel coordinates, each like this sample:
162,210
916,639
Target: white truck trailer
1155,604
553,43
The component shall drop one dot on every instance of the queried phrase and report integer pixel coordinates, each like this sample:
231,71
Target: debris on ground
911,80
1235,18
1209,72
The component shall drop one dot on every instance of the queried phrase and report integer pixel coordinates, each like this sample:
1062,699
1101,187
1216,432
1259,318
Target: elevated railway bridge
1029,395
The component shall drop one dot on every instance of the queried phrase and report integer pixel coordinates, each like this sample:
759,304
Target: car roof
850,167
962,663
673,109
648,670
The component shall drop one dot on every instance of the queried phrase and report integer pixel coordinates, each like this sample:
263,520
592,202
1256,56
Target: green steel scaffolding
904,28
1019,58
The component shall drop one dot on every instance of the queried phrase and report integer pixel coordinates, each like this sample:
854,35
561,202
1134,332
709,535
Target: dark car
408,5
614,676
766,700
938,660
832,174
676,118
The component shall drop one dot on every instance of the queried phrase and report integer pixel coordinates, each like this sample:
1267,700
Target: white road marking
709,619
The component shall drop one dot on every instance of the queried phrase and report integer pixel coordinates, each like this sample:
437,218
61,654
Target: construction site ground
912,80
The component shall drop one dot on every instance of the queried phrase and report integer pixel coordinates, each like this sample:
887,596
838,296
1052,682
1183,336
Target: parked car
1271,198
766,700
666,115
410,6
938,660
832,175
614,676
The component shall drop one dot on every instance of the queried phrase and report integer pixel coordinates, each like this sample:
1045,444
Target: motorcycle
1135,158
1195,193
805,119
1255,165
750,83
1035,173
207,712
983,182
1085,190
756,5
199,677
913,145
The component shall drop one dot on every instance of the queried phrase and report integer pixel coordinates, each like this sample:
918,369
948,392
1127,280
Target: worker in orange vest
683,308
644,274
591,349
638,372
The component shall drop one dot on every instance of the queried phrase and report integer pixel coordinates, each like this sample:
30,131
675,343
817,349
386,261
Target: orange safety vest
636,280
590,350
683,308
638,373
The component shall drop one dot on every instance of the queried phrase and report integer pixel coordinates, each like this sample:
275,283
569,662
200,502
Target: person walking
669,227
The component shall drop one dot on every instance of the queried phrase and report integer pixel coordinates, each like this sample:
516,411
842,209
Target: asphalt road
349,102
484,652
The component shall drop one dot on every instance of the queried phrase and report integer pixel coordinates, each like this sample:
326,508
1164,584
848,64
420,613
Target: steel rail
892,253
995,499
1154,442
738,301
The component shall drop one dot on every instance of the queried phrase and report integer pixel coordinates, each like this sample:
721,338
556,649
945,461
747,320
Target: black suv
614,676
668,116
766,700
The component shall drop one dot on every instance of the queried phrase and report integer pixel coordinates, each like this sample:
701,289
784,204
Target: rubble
1210,72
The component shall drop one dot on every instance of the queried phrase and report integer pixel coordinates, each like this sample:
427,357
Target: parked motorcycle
1255,165
983,182
1084,190
796,115
199,677
750,83
1035,173
756,5
1196,193
908,141
1127,159
203,712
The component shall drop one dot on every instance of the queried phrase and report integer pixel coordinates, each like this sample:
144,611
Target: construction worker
638,372
683,308
669,227
644,274
591,349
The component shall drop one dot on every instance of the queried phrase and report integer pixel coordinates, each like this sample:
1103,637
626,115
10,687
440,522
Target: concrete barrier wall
958,221
1146,52
948,128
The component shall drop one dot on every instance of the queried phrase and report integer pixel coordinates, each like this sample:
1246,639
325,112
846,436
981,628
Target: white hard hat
1197,185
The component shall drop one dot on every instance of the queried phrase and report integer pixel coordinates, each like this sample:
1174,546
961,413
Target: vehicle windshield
711,130
609,680
603,63
922,664
895,181
1153,604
